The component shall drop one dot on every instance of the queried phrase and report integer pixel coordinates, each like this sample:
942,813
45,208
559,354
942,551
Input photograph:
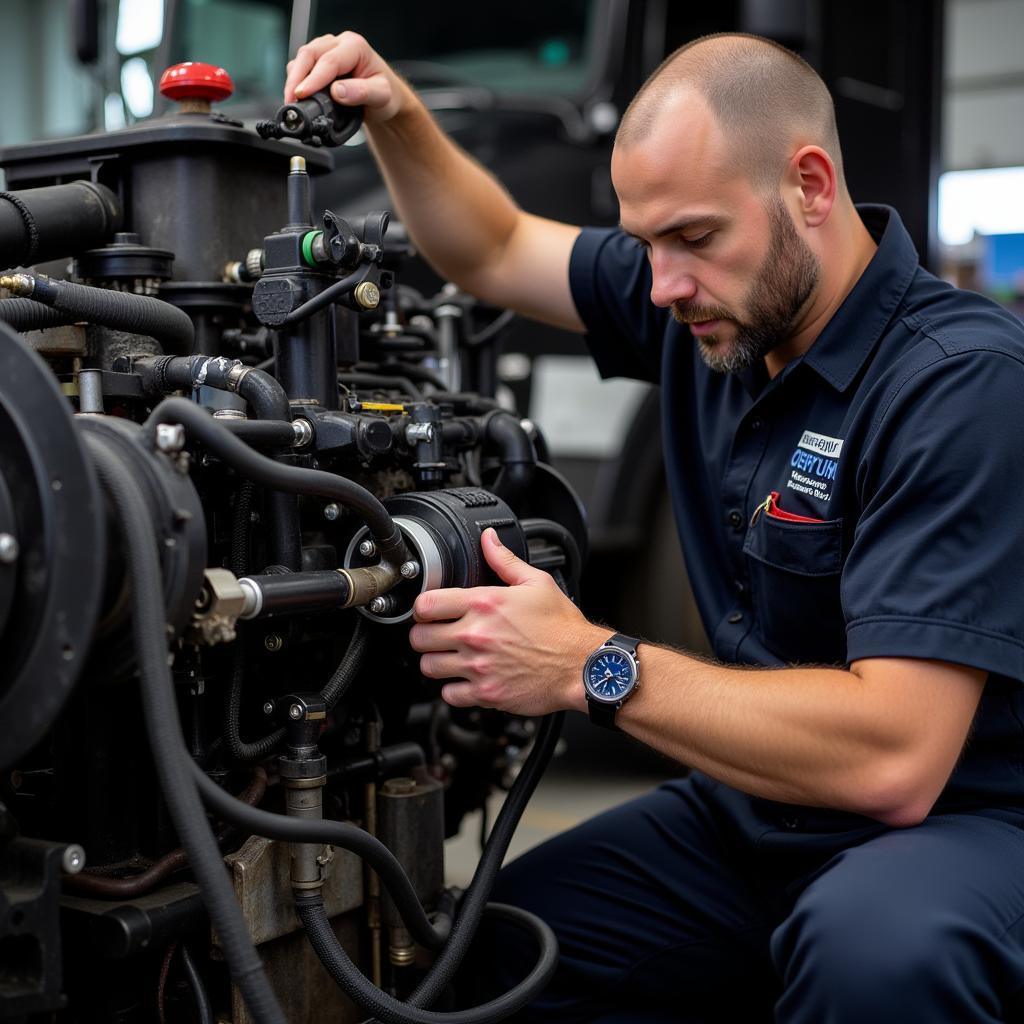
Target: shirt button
735,519
756,423
735,617
791,823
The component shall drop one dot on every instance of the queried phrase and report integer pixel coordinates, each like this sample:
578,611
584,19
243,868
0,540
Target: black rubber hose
201,426
445,966
267,399
163,374
49,223
239,749
559,535
348,668
330,294
163,727
124,311
504,432
331,833
241,522
204,1011
334,689
269,434
26,315
495,327
309,907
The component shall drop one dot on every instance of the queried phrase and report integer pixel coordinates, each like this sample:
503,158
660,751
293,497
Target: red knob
195,81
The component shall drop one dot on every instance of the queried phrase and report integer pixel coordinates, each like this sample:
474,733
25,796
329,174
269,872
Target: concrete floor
591,773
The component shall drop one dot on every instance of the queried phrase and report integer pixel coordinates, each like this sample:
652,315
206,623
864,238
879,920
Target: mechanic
843,445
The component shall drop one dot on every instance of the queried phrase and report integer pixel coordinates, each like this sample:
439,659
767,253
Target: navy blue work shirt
895,446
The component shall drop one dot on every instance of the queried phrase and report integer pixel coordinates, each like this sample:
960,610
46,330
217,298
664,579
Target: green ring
307,246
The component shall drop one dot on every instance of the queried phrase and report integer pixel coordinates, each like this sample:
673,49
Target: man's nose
668,286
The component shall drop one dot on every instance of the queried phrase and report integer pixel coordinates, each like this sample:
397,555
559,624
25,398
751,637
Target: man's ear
812,176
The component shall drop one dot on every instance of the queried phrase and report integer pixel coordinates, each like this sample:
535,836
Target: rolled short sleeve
611,286
936,565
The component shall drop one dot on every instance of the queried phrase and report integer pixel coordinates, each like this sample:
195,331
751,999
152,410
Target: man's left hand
519,648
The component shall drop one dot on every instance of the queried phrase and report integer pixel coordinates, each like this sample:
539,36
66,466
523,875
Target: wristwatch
610,677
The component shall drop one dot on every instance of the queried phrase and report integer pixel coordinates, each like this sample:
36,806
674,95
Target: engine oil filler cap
196,85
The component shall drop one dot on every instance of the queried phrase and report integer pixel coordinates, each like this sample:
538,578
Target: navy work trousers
696,903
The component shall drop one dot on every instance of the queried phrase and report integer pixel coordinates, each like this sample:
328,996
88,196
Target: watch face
609,674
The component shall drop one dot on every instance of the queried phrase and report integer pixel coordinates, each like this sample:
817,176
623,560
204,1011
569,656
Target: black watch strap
627,643
603,714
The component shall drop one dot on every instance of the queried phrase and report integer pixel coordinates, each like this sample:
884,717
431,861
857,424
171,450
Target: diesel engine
235,448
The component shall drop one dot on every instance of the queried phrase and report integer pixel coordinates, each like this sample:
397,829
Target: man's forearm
823,737
880,739
457,213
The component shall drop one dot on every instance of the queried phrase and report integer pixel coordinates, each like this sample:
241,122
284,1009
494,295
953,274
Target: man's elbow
902,795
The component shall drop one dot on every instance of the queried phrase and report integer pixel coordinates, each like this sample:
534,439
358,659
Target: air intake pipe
40,224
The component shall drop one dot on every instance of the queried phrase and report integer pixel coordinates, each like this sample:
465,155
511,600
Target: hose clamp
238,372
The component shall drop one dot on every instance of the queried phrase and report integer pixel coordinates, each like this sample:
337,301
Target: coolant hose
268,401
445,966
548,529
326,832
26,315
163,727
124,311
504,432
309,906
201,426
164,374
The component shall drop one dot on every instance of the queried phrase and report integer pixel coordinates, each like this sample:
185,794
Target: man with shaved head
842,437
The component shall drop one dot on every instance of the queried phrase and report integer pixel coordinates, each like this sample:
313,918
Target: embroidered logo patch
814,464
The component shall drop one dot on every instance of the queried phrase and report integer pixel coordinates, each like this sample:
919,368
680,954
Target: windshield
534,47
531,47
248,37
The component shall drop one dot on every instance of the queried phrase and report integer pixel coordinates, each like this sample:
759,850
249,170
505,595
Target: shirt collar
851,335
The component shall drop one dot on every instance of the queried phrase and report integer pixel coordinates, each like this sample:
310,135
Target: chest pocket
794,582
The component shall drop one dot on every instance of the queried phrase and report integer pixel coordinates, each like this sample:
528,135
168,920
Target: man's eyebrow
701,220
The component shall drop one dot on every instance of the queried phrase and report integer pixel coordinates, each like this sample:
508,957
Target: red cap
193,80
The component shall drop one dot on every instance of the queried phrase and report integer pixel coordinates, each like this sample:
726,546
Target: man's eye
700,242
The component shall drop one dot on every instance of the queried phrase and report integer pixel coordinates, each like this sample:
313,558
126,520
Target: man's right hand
368,81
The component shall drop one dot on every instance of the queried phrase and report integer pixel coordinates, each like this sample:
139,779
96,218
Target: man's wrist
589,639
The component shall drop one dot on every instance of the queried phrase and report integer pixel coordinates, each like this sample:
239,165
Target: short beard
783,285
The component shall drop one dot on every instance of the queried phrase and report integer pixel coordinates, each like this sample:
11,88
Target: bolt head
268,707
73,859
273,642
295,712
378,605
303,431
409,570
332,511
367,294
8,548
367,548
